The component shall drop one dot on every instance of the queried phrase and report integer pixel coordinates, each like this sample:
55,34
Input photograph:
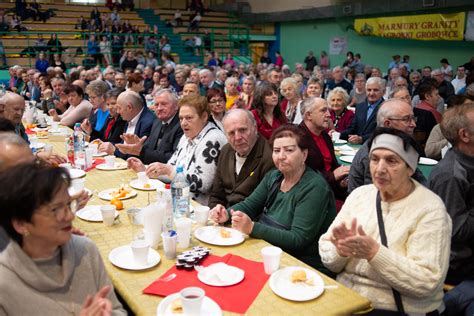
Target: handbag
383,238
264,218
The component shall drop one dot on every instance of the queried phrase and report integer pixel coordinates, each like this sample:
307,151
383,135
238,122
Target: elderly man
164,136
321,157
429,96
445,87
12,107
452,180
139,119
109,76
274,76
120,80
338,80
243,161
206,79
364,122
394,113
190,88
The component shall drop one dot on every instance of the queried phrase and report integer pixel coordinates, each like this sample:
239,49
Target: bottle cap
179,168
168,186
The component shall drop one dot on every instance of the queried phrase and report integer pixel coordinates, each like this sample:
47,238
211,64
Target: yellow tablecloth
340,301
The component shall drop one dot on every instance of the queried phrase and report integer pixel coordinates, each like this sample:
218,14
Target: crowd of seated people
256,143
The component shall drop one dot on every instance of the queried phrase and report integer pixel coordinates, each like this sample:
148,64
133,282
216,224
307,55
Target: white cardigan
418,230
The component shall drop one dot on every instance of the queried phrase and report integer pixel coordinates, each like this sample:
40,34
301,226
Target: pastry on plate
177,306
225,233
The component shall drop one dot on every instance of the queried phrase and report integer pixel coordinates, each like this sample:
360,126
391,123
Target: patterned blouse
199,157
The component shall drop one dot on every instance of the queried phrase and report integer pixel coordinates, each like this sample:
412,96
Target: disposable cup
191,298
108,214
152,238
142,178
78,184
33,141
140,249
183,229
110,161
201,214
169,244
94,148
335,136
271,259
65,165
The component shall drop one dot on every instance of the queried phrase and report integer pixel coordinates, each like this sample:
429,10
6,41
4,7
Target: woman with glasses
45,270
217,104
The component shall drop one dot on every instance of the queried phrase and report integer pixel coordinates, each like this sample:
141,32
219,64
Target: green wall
297,38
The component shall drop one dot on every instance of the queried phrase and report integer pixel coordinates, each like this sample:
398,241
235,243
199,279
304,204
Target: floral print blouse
199,158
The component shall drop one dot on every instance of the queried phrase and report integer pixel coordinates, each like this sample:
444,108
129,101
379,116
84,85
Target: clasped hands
240,220
354,242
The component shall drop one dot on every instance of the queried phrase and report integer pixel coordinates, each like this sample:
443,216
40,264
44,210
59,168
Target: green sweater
308,209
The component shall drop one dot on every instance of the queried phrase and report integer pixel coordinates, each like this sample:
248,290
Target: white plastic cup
201,214
33,141
89,154
152,237
48,149
335,136
54,126
169,244
192,298
94,147
271,258
110,161
142,178
108,214
140,249
183,229
78,184
65,165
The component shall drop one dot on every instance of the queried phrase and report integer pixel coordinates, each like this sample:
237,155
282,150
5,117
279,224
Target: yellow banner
426,27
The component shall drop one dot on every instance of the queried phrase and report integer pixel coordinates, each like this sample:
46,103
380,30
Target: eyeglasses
405,119
216,101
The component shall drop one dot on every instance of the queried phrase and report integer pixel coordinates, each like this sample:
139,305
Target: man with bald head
165,133
139,119
12,106
394,113
243,161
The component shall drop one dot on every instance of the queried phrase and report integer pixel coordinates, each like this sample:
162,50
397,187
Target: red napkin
97,161
235,298
29,131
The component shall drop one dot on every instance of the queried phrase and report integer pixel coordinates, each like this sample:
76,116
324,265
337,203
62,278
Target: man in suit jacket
364,122
165,133
139,120
243,161
321,157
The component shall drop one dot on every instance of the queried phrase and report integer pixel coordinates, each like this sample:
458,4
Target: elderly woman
266,109
248,88
314,88
79,108
198,149
44,265
231,93
388,242
291,207
100,112
358,94
341,117
216,99
291,103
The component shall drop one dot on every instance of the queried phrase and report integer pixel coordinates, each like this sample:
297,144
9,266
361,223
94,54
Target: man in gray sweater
453,180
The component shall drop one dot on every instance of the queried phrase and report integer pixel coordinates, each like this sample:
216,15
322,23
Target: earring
26,233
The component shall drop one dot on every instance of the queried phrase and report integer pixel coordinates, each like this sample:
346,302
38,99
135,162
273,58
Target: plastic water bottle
180,193
167,199
79,152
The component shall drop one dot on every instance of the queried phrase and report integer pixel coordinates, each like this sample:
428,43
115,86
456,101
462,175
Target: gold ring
354,253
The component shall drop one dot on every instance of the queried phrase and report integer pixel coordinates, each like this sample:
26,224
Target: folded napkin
235,298
345,148
96,162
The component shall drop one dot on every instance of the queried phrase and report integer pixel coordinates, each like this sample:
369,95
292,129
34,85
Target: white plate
118,166
91,213
427,161
99,155
347,152
208,307
38,145
76,173
122,257
211,235
154,184
107,194
39,129
347,158
221,274
281,285
340,141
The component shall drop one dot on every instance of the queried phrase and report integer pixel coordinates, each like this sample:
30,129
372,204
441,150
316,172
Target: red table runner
235,298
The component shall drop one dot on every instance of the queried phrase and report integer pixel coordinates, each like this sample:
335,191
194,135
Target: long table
130,284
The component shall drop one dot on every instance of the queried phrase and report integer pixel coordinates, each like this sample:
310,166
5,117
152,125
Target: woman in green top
291,207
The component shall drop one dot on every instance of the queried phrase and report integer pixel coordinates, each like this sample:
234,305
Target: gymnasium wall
297,38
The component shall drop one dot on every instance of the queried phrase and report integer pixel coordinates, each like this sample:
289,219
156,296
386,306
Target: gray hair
454,119
308,104
290,82
251,78
341,91
171,95
379,81
10,138
236,111
205,71
133,98
97,87
231,80
396,90
387,109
